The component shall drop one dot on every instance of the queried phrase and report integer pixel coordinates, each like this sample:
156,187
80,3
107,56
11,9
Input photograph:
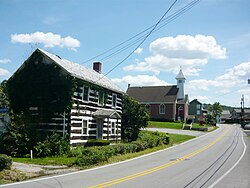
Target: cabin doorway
99,123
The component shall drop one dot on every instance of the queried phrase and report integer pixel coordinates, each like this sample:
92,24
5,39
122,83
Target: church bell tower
180,84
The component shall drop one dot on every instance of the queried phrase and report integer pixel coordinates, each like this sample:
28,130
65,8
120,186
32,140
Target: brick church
165,103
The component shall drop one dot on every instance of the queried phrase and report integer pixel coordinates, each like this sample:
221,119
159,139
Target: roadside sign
4,110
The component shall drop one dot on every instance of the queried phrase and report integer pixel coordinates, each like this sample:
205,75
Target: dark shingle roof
154,93
183,101
82,72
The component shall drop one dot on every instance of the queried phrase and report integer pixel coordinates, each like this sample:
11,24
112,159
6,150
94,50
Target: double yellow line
143,173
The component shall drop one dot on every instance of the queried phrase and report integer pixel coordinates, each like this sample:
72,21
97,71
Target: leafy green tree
16,140
215,109
134,117
4,99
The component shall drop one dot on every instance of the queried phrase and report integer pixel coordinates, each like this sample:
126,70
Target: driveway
177,131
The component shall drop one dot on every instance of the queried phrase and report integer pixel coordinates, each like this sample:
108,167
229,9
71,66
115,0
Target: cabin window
85,96
101,98
198,106
114,98
162,108
84,127
198,112
113,128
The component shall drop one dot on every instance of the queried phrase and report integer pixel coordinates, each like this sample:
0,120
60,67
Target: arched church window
162,109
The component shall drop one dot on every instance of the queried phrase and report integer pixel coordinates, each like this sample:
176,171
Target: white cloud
236,76
4,72
138,50
169,53
188,47
140,80
49,40
241,71
160,63
5,61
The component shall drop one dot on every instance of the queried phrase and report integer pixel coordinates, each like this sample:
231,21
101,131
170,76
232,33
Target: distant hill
224,107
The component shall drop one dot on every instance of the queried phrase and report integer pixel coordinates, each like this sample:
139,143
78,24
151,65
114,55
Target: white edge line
113,164
242,155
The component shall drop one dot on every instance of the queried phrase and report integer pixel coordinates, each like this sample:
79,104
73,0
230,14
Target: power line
140,42
136,40
231,92
170,19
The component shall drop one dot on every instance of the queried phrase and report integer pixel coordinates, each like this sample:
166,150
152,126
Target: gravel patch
33,170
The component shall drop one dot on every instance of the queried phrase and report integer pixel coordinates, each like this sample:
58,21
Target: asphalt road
210,160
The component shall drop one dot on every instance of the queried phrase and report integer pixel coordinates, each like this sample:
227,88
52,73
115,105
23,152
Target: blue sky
211,41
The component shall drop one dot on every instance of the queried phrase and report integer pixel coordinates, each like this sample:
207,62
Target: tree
4,99
18,138
134,117
215,109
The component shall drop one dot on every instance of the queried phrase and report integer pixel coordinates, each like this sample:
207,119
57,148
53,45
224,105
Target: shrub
92,155
54,145
5,162
75,152
97,143
152,139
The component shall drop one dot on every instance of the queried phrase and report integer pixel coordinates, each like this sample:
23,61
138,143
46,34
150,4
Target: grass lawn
173,125
9,176
174,139
169,125
47,160
197,125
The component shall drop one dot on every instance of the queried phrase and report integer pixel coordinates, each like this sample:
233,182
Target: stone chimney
97,66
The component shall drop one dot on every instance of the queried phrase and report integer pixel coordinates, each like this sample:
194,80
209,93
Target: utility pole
242,112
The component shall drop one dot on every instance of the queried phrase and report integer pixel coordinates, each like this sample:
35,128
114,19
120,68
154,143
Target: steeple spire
180,75
180,84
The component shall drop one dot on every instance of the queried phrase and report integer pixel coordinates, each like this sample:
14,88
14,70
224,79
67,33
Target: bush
152,139
54,145
92,155
5,162
75,152
97,143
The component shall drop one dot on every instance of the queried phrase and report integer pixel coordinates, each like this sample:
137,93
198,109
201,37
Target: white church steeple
180,84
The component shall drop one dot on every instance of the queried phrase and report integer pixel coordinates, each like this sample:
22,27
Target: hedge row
93,155
5,162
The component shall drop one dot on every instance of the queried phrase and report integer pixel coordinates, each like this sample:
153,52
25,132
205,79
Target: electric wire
164,22
140,42
235,90
170,19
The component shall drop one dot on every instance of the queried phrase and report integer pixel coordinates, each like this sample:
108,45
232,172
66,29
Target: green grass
177,138
169,125
174,125
47,160
197,125
174,139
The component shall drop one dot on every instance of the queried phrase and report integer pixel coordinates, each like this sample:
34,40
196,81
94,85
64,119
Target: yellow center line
149,171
